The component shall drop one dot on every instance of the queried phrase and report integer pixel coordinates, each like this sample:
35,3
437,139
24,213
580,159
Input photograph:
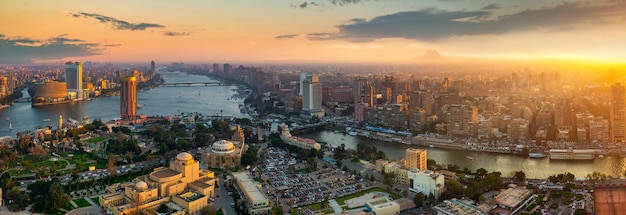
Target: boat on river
536,155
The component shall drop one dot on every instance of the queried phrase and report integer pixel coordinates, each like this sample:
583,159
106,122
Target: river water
164,101
211,100
506,164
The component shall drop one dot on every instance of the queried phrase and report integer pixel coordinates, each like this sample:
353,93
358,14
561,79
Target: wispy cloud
286,36
433,24
175,34
17,50
117,23
322,3
491,7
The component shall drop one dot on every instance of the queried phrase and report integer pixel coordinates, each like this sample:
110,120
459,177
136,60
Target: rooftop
190,196
165,173
249,186
513,197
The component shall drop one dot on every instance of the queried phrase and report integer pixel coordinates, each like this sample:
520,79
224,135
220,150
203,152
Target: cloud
303,5
116,23
174,34
330,2
320,36
433,24
491,7
17,50
286,36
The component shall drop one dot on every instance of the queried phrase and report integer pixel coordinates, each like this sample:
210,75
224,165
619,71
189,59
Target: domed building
182,187
223,154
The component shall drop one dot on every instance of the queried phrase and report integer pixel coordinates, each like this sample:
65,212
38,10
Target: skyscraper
74,79
312,97
415,158
152,67
128,98
618,113
303,77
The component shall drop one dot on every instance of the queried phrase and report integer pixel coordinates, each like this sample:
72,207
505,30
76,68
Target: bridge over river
193,84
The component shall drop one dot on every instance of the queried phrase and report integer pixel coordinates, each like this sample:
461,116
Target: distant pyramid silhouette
432,55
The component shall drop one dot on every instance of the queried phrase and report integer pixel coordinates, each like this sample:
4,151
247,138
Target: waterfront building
461,119
251,194
455,207
312,97
599,130
128,98
517,130
416,119
426,182
50,91
183,188
394,116
223,154
382,206
618,113
4,87
303,143
415,158
512,200
484,128
74,79
152,67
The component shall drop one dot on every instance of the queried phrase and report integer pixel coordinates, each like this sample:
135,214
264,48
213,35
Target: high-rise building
152,67
74,79
312,97
216,67
618,113
303,77
128,97
227,69
415,158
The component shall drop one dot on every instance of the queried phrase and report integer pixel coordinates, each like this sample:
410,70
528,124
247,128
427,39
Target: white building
426,182
312,97
251,194
297,141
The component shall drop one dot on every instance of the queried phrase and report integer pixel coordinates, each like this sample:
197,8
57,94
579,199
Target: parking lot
293,188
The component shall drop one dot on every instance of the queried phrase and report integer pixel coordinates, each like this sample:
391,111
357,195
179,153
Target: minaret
60,122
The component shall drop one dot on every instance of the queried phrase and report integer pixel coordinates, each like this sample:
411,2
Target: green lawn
68,206
341,200
96,200
82,202
95,140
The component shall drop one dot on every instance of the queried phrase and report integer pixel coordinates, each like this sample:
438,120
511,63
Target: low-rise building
182,187
223,154
382,206
251,194
297,141
513,199
426,182
456,207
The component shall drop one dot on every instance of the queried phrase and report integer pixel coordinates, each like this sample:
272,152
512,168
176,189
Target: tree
519,176
405,193
56,195
111,164
418,199
389,179
481,172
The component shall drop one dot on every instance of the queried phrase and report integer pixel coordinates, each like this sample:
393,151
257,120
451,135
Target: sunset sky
309,31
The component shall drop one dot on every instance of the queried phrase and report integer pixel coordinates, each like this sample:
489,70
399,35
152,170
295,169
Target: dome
141,185
184,156
223,146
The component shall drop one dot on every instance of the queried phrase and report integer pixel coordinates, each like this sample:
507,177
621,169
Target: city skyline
310,31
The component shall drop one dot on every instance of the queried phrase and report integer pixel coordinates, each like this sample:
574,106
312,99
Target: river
504,163
164,101
211,100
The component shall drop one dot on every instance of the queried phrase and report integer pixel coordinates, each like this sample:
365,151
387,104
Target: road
222,199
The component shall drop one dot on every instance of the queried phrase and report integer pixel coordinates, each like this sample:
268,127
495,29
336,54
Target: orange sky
318,31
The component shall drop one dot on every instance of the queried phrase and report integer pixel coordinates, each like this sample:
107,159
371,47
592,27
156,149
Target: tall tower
128,98
74,78
415,158
303,77
152,67
312,97
618,113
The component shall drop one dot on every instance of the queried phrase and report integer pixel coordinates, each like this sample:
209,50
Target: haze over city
310,31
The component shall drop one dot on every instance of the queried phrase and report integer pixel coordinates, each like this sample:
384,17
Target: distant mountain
431,55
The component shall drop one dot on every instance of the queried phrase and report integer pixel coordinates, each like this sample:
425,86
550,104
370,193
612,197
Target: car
232,205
